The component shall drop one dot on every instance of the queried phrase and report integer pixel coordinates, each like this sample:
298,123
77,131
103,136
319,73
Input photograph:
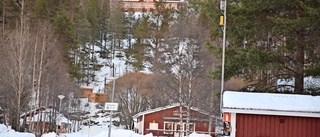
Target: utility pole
113,86
223,21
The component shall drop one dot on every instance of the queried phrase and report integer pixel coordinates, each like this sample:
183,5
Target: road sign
111,106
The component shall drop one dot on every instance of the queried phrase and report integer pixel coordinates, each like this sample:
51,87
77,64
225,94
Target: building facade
87,92
165,121
147,5
271,115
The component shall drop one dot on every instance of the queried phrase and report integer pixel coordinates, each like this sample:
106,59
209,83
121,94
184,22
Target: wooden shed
87,92
165,121
271,114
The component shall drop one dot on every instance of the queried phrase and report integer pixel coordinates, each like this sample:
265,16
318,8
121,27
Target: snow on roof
164,108
63,119
271,102
46,114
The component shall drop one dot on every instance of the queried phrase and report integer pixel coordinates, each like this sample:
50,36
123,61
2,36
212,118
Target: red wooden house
165,121
271,115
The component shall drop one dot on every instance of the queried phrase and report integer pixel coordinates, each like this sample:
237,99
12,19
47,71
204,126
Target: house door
177,128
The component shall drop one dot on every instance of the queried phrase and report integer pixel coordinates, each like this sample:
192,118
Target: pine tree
151,29
271,40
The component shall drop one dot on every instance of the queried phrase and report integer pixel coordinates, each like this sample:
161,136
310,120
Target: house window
168,126
191,127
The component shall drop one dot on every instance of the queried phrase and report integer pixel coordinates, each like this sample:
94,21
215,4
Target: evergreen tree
151,29
135,55
271,40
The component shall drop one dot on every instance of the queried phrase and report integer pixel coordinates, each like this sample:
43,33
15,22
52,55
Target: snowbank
94,132
4,132
194,134
128,133
52,134
121,133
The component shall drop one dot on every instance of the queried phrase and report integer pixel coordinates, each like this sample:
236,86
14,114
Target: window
168,126
177,128
191,127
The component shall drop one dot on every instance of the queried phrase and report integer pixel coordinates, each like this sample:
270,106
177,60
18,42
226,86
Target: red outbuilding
271,115
165,121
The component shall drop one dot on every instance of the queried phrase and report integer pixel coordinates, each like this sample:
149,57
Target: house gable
165,108
156,120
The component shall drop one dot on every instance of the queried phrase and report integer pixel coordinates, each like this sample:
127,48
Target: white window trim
164,127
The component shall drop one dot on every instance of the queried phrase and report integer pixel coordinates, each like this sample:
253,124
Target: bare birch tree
133,92
52,74
186,63
17,50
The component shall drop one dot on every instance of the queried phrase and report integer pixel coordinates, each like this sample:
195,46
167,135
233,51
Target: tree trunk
299,65
39,78
21,73
40,69
33,82
211,107
180,99
18,112
3,19
45,115
299,56
189,104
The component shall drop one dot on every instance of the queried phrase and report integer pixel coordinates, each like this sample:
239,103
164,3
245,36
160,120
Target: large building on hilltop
147,5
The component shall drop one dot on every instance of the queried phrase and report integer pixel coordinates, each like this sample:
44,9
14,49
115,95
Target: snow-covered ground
95,131
99,131
5,132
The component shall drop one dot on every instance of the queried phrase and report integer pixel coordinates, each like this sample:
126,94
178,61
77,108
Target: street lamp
59,119
60,97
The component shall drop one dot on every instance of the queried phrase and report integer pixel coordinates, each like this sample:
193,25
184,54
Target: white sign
222,4
58,123
153,126
111,106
